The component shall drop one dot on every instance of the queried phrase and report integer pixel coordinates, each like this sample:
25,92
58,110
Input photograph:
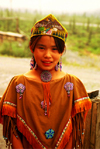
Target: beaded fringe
9,128
33,140
81,106
47,97
77,125
79,112
9,110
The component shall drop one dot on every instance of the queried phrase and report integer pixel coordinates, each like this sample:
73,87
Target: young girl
45,108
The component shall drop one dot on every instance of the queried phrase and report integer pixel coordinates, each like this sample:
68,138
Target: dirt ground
10,67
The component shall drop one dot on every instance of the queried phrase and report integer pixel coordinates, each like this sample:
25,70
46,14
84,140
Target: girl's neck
55,74
36,74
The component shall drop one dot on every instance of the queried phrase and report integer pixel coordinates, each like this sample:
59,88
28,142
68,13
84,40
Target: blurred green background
83,32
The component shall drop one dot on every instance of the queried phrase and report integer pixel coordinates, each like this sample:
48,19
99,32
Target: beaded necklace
46,76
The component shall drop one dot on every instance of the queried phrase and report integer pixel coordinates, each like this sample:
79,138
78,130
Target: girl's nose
47,54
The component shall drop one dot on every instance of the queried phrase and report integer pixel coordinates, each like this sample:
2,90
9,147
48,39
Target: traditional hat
49,26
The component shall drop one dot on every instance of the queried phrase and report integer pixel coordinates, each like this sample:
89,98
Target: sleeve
81,105
8,106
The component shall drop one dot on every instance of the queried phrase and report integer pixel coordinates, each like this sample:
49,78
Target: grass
83,42
15,49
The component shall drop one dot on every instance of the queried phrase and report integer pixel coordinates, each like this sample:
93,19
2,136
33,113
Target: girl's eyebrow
40,44
54,46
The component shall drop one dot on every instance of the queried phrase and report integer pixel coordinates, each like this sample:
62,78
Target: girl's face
46,53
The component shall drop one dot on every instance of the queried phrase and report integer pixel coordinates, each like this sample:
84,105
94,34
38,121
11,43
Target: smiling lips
47,63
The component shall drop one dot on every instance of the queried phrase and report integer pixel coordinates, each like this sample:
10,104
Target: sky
58,6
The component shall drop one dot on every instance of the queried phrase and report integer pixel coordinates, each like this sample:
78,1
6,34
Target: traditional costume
47,114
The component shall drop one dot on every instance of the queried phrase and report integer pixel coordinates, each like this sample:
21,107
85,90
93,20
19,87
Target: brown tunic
65,114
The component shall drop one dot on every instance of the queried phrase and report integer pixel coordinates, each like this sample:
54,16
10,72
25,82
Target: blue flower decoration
49,133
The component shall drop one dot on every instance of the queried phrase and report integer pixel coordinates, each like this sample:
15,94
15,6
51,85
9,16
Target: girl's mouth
47,63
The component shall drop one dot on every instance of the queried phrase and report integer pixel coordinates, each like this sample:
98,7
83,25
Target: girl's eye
41,48
54,49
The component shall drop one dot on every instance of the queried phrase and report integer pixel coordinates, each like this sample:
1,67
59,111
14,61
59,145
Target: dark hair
59,43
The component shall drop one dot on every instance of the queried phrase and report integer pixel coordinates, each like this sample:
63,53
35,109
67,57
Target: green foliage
83,38
15,49
84,41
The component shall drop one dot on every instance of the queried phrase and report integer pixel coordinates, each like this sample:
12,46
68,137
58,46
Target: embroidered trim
83,98
10,103
30,130
63,132
80,105
49,26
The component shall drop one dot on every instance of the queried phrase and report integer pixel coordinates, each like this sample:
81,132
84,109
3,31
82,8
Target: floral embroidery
49,134
20,89
68,87
44,106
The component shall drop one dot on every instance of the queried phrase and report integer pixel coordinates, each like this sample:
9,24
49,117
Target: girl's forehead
46,40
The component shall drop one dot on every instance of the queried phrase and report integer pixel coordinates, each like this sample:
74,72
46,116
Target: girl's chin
46,68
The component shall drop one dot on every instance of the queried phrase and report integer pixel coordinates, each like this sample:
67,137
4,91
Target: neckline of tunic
52,81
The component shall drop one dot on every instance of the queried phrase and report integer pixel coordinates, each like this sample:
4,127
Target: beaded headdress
49,26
